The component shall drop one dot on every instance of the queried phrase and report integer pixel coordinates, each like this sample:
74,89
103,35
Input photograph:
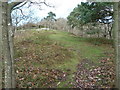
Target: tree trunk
117,41
6,46
105,33
1,61
109,31
98,34
11,41
118,44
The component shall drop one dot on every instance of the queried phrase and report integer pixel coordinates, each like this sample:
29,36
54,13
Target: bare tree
7,8
18,17
61,24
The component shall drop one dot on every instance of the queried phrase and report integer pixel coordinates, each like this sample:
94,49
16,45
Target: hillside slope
60,59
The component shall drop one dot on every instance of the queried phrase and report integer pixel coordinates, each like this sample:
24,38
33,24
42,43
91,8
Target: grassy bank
50,58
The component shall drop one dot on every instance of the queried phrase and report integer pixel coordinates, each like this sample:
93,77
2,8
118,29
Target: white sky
62,8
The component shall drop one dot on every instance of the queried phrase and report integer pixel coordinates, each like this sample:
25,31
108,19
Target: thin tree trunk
98,34
117,41
11,41
109,31
105,33
1,61
6,51
118,44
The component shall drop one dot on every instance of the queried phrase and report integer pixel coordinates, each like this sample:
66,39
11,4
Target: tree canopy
51,16
91,12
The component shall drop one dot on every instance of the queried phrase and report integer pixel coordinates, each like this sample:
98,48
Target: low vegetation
61,59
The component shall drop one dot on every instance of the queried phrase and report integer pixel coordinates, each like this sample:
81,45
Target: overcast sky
62,8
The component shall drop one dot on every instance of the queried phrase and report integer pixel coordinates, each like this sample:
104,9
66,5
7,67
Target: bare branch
21,11
39,3
19,6
12,6
15,3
